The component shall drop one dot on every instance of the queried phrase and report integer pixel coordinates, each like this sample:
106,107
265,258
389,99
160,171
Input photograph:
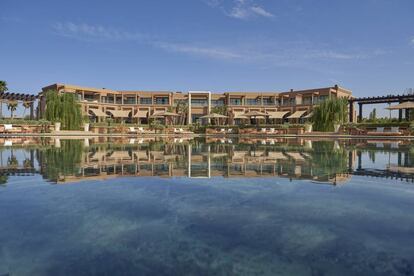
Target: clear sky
218,45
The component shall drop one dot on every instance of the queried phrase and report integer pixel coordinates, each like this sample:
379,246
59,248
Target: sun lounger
9,128
380,131
132,130
8,143
182,131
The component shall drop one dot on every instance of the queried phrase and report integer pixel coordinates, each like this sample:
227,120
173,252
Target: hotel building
137,106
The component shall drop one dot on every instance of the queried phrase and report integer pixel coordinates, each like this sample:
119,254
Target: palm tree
3,88
182,109
26,105
12,106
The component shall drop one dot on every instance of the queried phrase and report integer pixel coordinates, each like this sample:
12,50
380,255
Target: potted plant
86,123
308,127
57,126
337,126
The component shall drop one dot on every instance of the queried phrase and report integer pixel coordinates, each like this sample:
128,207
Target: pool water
207,207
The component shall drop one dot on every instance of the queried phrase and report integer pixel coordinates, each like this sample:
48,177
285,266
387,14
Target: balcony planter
86,127
57,126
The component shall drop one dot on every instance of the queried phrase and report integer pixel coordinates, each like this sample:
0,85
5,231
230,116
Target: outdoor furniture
380,131
132,130
357,131
8,143
182,131
8,128
141,130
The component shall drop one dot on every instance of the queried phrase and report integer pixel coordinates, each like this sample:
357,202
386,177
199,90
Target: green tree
373,115
220,110
3,88
57,163
181,108
26,105
63,108
330,112
12,106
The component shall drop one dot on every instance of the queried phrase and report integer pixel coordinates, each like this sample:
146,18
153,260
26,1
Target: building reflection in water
318,161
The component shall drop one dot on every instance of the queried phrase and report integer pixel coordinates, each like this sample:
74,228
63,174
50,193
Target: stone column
209,107
31,111
351,112
189,119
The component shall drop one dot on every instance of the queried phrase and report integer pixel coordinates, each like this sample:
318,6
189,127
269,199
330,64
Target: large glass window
130,100
268,101
199,102
307,100
145,100
236,101
322,98
217,102
252,101
161,100
109,99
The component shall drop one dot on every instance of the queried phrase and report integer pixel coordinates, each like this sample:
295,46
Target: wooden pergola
378,100
20,97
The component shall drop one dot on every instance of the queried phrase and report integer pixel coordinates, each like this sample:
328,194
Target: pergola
378,100
20,97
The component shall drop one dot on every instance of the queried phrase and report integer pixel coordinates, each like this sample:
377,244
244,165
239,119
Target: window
119,100
307,100
235,101
217,102
109,99
145,100
268,101
161,100
322,98
130,100
199,102
252,101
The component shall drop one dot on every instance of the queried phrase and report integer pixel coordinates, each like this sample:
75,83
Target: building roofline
77,87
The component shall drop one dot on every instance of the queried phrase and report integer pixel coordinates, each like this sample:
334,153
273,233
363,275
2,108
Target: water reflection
206,207
319,161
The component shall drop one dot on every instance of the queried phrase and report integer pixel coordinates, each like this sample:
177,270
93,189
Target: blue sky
249,45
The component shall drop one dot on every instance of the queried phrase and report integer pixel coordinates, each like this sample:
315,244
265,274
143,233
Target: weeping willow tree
330,112
57,163
63,108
